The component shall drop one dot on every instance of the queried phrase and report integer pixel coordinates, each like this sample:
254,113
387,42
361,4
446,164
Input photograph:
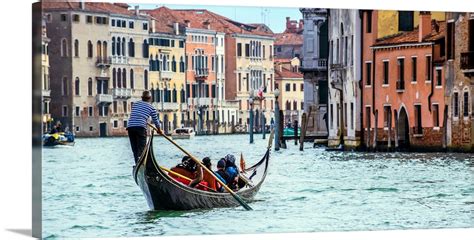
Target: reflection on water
88,191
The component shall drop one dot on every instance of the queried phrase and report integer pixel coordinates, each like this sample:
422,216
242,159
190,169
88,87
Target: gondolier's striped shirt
141,111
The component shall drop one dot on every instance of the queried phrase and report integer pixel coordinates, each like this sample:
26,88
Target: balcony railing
166,75
104,98
314,64
400,85
122,92
184,106
201,72
119,60
170,106
103,62
46,93
467,61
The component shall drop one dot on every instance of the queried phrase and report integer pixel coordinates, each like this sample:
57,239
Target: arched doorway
403,129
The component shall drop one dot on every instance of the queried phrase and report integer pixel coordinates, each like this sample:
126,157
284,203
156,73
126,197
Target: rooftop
288,39
438,29
99,7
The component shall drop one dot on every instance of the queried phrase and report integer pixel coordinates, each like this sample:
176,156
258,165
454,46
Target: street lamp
251,96
277,120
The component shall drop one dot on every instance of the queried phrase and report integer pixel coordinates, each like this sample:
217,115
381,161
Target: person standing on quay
137,123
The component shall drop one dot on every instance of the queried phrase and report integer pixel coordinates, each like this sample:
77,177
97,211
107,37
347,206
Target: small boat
290,132
60,138
162,192
183,133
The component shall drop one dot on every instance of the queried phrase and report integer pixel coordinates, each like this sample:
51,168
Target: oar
184,177
236,197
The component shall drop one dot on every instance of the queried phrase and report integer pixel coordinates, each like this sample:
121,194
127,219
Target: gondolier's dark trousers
137,137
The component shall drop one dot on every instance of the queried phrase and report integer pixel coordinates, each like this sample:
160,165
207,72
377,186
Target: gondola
164,193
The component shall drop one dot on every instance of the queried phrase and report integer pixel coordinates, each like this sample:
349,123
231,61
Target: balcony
103,62
467,62
104,98
201,73
400,86
46,93
166,75
122,92
119,60
170,106
315,64
204,101
184,106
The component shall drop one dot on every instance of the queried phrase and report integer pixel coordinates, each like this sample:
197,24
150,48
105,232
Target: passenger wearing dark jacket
221,174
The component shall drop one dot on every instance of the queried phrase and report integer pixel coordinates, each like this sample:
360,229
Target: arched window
295,105
104,50
76,48
175,95
152,92
181,64
89,49
118,47
183,95
114,78
77,87
113,46
119,78
132,84
145,49
131,48
124,78
173,65
145,79
64,87
64,48
123,46
99,49
157,63
165,63
89,87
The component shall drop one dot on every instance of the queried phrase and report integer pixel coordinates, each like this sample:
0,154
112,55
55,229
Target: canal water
88,191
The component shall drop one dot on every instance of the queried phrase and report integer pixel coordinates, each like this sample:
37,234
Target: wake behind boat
163,192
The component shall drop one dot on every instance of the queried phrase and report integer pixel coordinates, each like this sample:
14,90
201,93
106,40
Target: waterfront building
459,69
167,71
344,77
314,68
289,43
403,83
88,42
45,80
290,82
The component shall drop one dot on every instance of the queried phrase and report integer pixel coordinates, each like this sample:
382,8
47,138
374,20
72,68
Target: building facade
403,85
459,69
290,82
87,44
314,68
45,80
289,43
344,78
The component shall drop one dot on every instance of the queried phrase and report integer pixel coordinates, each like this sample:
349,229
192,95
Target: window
288,87
466,104
76,18
78,128
368,74
345,115
65,111
77,111
385,72
413,69
418,127
145,79
439,80
450,40
89,49
113,22
131,48
428,68
76,48
401,74
247,50
145,49
386,116
435,115
63,17
77,87
91,128
131,24
352,115
456,104
89,19
337,115
114,107
64,52
124,23
145,26
132,81
64,87
302,87
294,87
115,124
405,20
91,111
369,22
125,123
181,44
103,110
240,82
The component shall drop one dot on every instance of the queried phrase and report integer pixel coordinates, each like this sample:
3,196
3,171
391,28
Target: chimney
137,10
82,4
207,24
300,25
424,27
153,25
176,28
188,23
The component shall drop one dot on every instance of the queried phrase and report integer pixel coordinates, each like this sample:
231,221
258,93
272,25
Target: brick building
403,84
289,81
289,43
460,81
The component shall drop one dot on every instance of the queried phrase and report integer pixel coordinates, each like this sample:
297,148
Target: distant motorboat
183,133
60,138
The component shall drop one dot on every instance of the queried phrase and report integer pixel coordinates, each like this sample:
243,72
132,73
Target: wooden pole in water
295,128
303,130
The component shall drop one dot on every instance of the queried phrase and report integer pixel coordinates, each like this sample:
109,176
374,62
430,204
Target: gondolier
137,123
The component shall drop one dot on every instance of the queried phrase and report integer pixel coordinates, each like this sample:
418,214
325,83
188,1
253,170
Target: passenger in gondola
207,177
57,128
231,170
221,174
189,169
